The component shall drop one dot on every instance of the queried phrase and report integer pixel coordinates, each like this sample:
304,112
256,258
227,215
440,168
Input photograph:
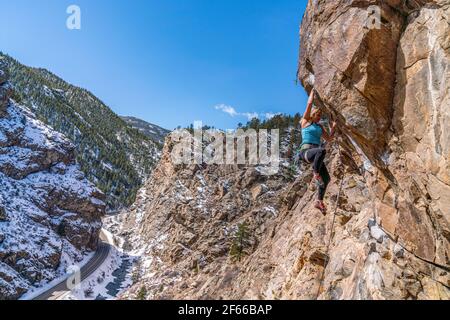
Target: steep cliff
388,88
50,215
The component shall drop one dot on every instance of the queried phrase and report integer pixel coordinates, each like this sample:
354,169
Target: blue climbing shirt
312,134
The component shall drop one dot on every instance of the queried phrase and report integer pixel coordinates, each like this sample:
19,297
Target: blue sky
170,62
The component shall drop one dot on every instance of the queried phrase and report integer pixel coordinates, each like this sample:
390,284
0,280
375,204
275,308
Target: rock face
388,88
49,213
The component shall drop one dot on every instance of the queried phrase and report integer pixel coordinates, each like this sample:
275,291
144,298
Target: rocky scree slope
113,155
388,89
50,215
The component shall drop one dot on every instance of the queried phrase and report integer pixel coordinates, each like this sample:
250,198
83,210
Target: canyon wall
50,215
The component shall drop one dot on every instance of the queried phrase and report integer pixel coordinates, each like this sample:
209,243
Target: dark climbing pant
316,156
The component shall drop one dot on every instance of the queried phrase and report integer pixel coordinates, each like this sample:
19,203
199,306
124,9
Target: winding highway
86,271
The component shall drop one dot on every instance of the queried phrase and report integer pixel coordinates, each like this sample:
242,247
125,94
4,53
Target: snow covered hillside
50,215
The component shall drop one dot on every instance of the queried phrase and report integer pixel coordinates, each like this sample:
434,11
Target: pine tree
241,242
142,294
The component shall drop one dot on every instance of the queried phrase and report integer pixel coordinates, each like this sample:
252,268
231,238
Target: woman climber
311,150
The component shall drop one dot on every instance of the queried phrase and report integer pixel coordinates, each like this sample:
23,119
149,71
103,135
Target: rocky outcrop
388,89
50,215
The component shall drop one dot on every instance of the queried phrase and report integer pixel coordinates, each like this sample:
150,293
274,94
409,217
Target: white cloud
250,115
232,111
227,109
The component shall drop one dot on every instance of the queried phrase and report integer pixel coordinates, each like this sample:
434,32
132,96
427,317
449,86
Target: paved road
86,271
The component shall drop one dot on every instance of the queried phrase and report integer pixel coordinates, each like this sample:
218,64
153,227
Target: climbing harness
306,147
306,157
327,257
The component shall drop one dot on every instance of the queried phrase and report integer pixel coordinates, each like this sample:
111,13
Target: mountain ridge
153,131
115,156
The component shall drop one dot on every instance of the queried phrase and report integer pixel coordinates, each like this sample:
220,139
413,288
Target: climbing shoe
321,206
